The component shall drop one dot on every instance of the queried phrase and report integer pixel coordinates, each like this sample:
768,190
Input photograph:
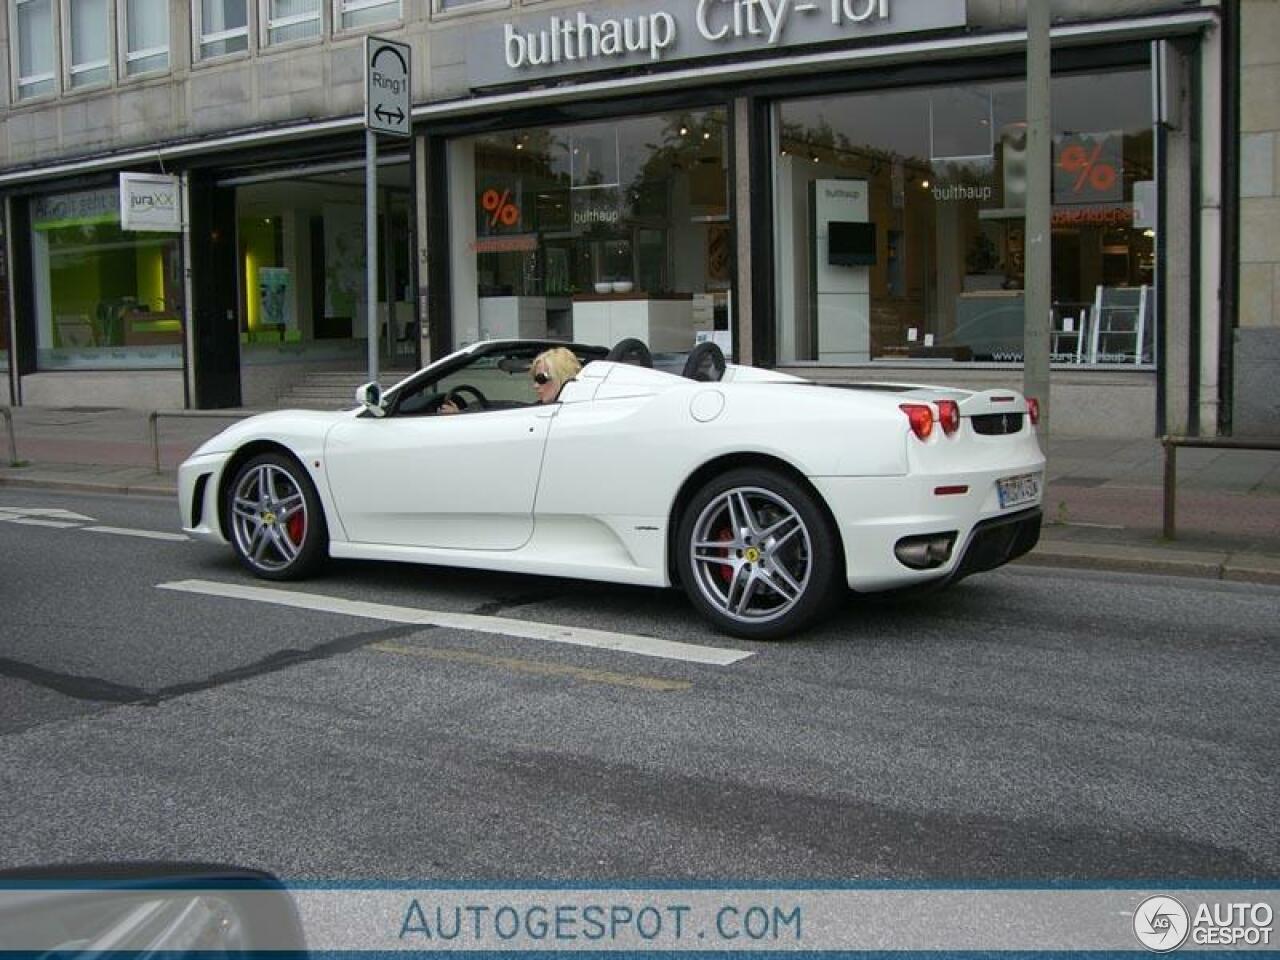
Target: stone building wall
1257,346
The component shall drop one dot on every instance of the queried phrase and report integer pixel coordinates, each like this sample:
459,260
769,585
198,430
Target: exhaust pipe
925,551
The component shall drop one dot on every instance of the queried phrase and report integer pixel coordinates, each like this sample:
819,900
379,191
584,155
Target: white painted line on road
49,513
145,534
505,626
37,522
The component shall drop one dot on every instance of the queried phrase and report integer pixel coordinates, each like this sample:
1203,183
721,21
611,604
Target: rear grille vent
995,424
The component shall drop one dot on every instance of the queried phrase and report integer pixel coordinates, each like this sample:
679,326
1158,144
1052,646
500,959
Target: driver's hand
449,407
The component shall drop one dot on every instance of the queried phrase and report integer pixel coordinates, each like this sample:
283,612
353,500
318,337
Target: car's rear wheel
757,555
278,529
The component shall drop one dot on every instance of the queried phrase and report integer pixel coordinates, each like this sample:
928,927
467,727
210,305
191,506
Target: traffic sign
386,86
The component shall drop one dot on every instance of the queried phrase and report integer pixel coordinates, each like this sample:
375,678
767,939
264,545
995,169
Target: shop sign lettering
574,42
601,207
68,209
954,192
150,201
1096,215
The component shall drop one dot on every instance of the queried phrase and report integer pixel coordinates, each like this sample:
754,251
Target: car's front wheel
278,529
757,555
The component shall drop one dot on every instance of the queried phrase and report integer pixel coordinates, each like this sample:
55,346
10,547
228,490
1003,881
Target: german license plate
1015,491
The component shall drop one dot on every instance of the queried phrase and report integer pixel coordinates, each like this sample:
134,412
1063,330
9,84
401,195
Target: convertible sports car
765,496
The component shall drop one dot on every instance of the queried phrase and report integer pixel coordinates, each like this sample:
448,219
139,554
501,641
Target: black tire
777,572
276,522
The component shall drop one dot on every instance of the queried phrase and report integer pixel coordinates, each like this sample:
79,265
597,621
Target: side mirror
369,396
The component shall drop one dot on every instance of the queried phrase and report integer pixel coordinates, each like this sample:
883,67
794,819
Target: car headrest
631,351
705,362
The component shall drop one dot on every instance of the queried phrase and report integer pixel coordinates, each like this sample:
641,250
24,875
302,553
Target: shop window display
301,246
593,232
900,217
105,297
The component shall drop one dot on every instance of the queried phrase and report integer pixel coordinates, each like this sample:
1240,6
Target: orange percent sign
1098,174
500,207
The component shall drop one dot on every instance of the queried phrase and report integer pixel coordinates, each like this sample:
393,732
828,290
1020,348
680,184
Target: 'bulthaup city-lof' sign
572,41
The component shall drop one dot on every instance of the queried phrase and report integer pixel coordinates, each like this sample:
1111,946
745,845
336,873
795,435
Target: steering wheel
455,396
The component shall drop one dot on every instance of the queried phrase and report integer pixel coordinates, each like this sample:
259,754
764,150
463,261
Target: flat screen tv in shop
851,244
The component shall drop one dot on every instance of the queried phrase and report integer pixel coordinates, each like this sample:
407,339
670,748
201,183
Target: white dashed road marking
38,522
48,513
145,534
505,626
67,519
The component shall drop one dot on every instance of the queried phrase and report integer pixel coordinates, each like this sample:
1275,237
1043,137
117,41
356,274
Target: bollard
1171,443
13,439
153,424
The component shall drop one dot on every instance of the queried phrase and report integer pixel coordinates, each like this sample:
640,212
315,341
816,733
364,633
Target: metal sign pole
387,109
371,246
1039,230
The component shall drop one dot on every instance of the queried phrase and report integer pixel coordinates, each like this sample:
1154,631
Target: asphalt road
1025,725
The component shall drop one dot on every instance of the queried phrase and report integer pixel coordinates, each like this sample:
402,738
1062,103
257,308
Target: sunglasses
541,378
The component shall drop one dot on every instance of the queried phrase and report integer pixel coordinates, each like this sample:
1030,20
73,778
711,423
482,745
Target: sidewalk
1103,499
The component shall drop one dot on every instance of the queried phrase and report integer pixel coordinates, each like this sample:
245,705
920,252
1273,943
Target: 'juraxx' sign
577,41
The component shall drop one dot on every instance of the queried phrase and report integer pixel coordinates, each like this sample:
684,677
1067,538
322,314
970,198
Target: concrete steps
331,389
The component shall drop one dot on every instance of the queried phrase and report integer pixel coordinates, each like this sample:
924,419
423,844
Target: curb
1202,565
88,486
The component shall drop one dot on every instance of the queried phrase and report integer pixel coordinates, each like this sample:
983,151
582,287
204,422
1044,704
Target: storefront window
105,297
302,267
594,232
900,219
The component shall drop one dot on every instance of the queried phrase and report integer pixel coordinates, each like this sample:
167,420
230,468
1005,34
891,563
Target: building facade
832,187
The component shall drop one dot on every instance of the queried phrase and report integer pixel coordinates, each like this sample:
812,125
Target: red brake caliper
724,571
297,526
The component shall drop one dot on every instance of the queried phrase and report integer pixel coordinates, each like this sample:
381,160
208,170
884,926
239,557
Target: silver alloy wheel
269,517
751,555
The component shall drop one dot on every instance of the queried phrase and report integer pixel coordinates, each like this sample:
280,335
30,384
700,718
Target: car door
465,481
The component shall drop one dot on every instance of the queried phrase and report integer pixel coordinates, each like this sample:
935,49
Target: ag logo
1161,924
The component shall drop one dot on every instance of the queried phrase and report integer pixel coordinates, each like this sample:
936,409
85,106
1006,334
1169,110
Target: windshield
497,377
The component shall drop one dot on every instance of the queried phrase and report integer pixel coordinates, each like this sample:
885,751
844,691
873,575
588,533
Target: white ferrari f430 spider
766,497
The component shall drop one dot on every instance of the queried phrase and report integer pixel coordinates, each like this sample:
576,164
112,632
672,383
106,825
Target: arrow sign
386,86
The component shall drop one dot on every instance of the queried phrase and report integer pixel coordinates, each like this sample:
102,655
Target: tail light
1033,410
949,416
921,417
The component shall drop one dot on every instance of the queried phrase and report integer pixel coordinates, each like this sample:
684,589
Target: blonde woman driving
551,370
